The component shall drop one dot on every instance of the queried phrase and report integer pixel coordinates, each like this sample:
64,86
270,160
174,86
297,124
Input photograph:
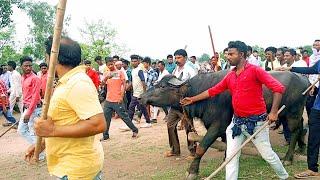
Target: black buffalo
216,113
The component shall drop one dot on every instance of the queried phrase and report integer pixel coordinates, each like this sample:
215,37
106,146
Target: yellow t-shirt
74,99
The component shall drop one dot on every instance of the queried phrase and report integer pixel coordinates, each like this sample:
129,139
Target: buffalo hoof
287,163
191,176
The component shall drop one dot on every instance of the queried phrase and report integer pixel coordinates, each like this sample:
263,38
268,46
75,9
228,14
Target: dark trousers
310,101
120,109
286,130
313,140
134,102
128,98
174,117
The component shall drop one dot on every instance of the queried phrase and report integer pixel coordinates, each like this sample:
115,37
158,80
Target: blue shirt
170,67
315,69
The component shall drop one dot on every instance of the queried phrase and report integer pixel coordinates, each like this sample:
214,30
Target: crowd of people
85,100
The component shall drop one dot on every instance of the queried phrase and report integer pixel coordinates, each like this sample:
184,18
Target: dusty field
141,158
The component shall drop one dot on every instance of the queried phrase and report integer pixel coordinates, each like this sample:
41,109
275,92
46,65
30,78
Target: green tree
99,40
42,15
204,57
6,12
260,51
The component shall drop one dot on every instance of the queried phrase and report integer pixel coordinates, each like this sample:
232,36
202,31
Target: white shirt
125,74
313,77
300,63
186,72
102,70
162,74
15,82
253,60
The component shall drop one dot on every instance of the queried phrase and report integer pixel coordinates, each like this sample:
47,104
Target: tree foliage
6,12
42,16
99,40
204,57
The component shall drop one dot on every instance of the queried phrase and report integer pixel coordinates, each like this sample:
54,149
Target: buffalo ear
175,82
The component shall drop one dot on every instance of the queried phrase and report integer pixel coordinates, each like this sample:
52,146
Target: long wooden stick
212,44
311,86
52,66
239,149
9,129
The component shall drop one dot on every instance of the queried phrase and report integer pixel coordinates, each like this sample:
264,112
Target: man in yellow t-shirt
75,117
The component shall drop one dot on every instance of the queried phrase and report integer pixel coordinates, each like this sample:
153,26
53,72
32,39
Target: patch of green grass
250,168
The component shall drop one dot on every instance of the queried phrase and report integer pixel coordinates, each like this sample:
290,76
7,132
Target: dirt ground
125,158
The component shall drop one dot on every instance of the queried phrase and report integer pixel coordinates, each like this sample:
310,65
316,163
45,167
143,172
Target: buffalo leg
289,155
211,135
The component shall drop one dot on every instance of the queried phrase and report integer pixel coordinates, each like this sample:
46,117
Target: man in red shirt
43,78
94,76
245,85
31,86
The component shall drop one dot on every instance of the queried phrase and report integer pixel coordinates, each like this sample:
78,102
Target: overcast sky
156,28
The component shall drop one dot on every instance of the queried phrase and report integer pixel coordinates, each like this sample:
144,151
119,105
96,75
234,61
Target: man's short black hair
134,56
194,57
98,58
43,64
181,52
249,48
225,49
25,59
162,63
69,51
12,64
169,56
255,51
292,52
154,62
240,46
147,60
107,58
272,49
282,50
115,57
317,40
86,62
125,62
3,65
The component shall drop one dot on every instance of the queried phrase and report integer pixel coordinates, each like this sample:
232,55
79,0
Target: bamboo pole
52,66
311,86
239,149
9,129
212,44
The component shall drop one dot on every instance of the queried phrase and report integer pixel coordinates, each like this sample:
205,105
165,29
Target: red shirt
3,93
307,60
31,85
94,76
246,89
43,78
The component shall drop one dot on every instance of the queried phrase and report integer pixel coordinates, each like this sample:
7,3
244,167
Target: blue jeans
26,130
8,115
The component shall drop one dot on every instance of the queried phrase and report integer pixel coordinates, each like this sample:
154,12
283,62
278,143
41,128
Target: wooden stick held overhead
239,149
212,44
52,66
